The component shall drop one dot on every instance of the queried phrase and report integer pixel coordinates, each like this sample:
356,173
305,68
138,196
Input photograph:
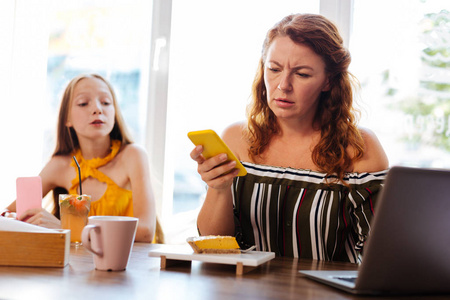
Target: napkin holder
35,249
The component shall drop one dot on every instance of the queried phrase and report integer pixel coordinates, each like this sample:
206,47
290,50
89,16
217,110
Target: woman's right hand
215,171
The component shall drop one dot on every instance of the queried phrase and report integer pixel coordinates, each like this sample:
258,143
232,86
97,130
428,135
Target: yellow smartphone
214,145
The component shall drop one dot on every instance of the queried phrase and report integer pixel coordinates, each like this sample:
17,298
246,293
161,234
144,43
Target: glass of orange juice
74,211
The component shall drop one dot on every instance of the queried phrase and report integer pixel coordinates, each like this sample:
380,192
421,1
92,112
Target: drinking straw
79,173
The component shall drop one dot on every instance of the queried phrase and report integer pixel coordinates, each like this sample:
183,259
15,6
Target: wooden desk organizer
35,249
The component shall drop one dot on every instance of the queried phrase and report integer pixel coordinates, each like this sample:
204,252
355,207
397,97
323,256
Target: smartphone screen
29,194
214,145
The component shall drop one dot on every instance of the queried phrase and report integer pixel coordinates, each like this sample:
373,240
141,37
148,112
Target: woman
114,170
313,176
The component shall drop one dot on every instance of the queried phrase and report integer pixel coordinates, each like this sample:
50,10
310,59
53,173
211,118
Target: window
111,38
22,73
401,56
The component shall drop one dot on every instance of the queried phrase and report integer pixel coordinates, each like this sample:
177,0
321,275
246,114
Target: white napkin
8,224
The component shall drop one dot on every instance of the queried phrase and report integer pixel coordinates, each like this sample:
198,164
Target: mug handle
86,238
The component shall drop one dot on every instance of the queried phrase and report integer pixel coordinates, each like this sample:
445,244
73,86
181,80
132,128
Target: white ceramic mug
110,239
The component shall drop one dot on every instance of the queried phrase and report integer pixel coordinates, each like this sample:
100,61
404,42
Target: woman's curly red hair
335,114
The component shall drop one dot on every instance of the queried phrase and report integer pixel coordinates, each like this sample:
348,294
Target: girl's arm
144,207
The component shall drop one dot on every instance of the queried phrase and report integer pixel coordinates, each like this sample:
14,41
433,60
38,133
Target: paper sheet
8,224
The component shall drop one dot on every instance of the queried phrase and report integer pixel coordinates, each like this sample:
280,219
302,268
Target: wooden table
143,279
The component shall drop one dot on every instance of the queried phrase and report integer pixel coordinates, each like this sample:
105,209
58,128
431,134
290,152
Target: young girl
114,171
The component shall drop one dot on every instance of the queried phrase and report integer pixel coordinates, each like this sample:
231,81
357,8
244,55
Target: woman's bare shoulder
234,137
374,158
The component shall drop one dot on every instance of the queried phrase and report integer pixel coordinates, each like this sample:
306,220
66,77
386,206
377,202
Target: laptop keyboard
348,279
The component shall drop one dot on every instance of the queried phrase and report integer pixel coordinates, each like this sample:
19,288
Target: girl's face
91,112
294,76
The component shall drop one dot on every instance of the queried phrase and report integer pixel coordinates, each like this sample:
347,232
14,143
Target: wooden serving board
171,253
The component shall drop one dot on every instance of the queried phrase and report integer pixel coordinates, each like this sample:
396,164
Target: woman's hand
41,217
216,171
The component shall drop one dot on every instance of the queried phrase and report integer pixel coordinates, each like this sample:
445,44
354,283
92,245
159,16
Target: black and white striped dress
297,213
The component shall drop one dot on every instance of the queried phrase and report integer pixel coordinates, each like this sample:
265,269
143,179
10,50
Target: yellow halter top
116,201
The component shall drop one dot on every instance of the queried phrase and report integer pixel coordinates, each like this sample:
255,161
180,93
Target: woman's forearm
216,215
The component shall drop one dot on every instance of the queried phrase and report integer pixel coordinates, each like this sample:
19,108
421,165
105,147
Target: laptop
408,251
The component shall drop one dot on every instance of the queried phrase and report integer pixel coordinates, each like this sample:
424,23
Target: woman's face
91,112
294,76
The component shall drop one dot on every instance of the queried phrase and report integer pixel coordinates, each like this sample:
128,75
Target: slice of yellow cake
214,244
